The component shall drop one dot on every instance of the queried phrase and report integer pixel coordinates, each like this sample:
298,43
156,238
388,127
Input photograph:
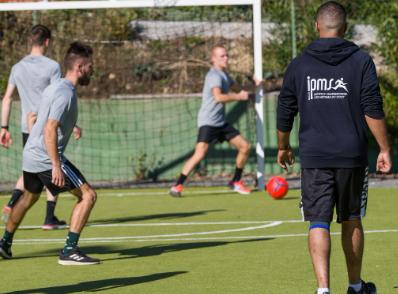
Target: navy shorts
210,135
324,189
35,182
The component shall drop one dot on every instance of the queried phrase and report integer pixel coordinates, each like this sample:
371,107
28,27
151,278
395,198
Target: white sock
323,290
356,287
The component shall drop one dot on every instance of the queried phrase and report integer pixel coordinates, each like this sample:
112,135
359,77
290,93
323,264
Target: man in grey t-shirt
30,77
44,163
212,125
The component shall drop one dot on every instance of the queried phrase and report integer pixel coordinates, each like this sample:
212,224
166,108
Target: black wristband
4,127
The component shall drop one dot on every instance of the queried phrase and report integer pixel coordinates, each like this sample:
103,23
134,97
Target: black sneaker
367,288
5,252
76,257
316,292
54,224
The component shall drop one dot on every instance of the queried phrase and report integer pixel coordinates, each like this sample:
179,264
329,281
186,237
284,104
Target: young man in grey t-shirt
44,163
213,127
30,76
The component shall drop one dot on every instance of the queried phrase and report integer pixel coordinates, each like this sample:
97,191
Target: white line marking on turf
98,225
166,192
272,224
133,239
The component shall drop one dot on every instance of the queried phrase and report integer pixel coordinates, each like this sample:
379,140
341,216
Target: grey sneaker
5,214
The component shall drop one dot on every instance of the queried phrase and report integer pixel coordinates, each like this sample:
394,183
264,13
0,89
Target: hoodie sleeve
287,102
371,100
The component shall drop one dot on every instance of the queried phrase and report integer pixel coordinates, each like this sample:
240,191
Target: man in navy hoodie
334,87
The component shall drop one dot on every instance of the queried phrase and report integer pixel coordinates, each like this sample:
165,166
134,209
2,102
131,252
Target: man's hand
257,81
58,178
243,95
77,133
383,163
5,138
379,130
285,158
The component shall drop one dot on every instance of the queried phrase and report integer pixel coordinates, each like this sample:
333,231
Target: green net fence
139,113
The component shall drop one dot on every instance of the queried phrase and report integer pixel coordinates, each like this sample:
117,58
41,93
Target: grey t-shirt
59,103
31,76
212,113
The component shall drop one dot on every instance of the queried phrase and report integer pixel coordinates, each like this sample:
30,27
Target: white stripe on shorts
71,175
364,193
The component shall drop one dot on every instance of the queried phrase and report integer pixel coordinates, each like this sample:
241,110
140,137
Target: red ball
277,187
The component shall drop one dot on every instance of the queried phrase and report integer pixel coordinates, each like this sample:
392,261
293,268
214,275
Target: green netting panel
136,140
139,114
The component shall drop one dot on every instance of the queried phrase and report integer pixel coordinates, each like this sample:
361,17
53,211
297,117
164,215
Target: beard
84,80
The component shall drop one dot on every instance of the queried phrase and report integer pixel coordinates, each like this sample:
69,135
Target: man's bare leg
243,147
352,239
201,149
17,215
319,248
71,254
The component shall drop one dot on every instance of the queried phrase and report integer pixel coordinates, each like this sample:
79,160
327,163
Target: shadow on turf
154,250
153,216
101,285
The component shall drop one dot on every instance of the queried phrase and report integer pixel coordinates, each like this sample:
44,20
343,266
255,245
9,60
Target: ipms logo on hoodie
322,88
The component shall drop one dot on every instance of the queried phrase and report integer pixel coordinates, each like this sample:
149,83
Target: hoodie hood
331,51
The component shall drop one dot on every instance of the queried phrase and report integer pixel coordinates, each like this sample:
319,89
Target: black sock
237,175
71,242
16,194
181,179
7,237
50,211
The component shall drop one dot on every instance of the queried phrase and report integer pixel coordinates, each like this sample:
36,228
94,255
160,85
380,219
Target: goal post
107,4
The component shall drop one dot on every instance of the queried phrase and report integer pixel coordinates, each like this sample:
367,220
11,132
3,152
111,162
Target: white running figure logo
340,84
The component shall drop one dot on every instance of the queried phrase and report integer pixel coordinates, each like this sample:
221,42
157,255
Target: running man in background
31,76
213,128
44,163
334,87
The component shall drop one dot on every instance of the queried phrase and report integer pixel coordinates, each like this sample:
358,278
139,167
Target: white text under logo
326,89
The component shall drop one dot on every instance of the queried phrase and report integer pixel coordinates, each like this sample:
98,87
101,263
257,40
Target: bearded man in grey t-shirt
219,88
44,163
30,76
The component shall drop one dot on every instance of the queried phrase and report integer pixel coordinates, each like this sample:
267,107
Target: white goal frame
257,42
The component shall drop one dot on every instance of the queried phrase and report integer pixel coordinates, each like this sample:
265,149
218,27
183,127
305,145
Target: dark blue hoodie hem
337,162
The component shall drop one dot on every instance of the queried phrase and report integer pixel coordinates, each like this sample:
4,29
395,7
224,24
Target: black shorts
326,188
211,135
25,137
35,182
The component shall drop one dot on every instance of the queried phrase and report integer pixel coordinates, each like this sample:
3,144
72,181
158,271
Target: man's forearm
222,98
32,117
379,130
50,139
6,105
283,140
5,110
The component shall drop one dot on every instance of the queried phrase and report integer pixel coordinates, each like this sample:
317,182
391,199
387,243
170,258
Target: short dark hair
335,13
76,51
39,34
